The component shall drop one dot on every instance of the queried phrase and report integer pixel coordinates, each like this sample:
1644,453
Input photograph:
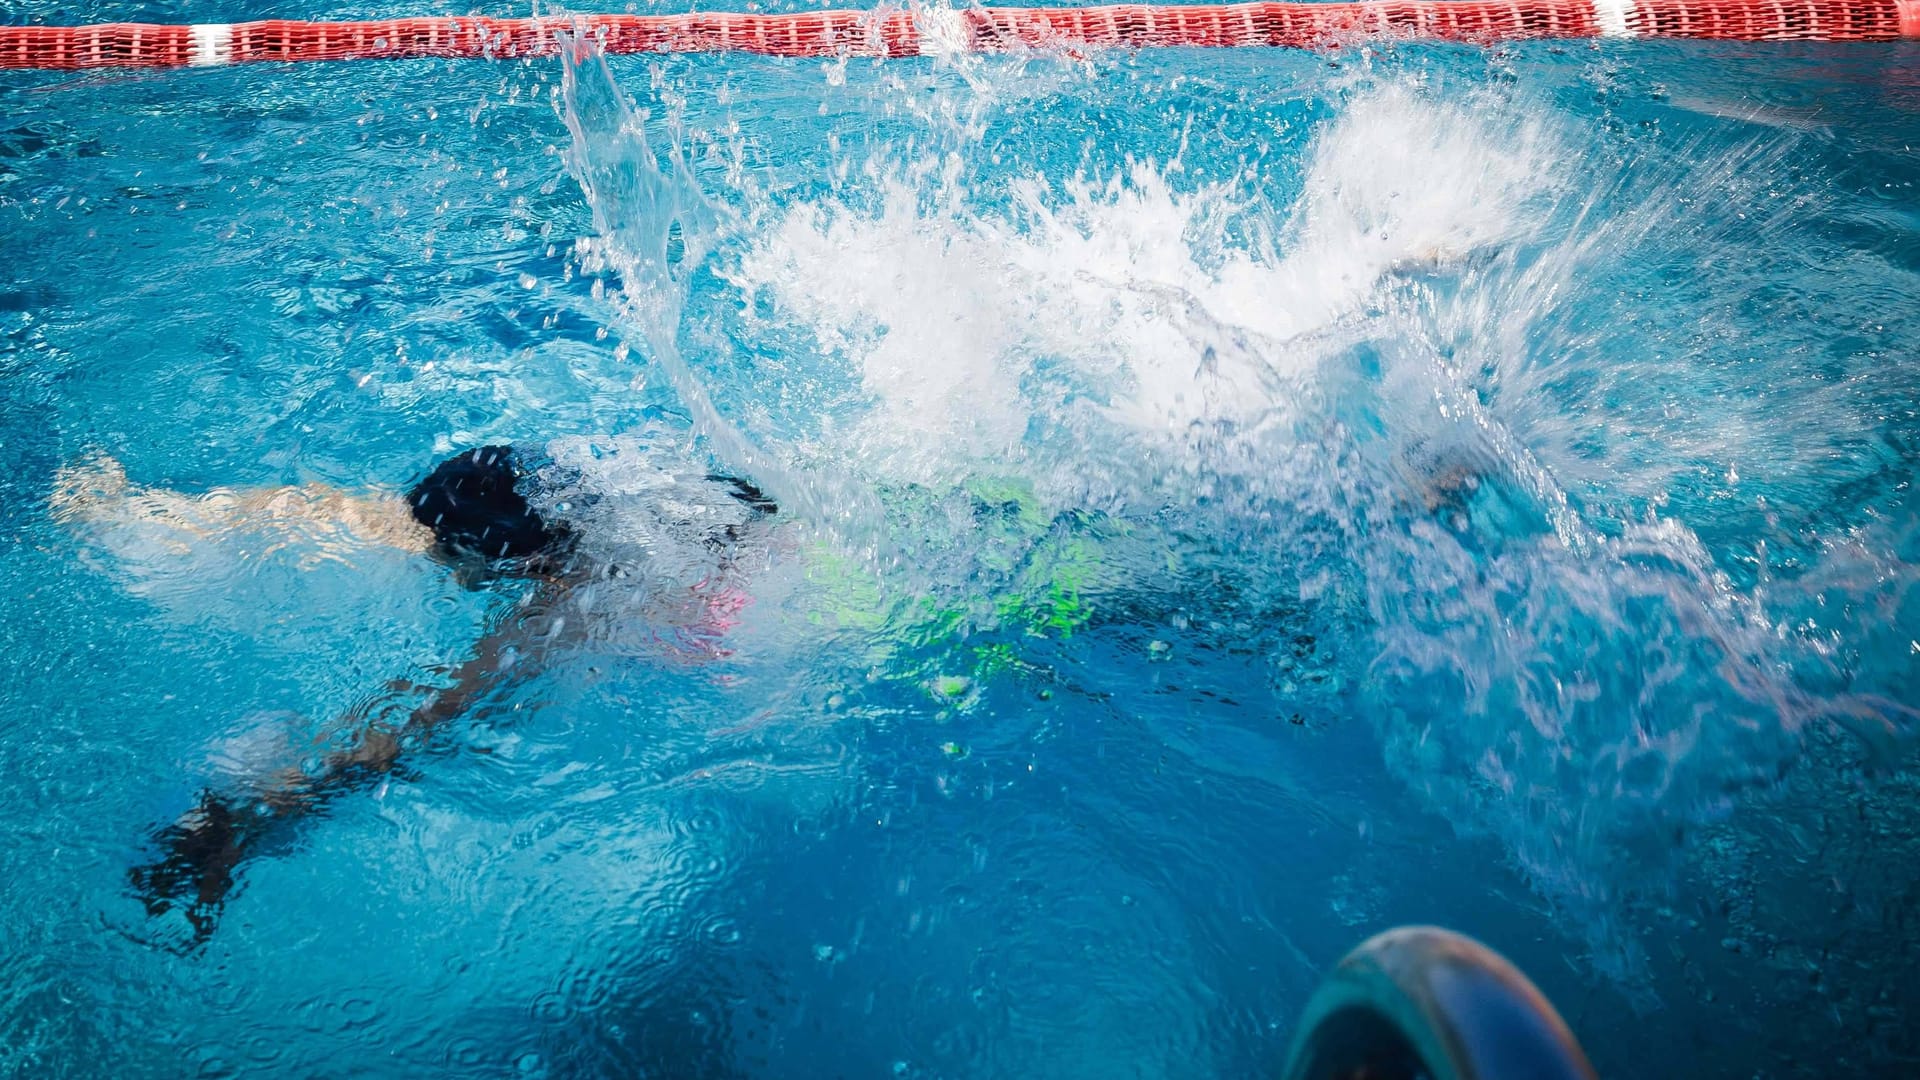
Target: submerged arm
376,746
201,850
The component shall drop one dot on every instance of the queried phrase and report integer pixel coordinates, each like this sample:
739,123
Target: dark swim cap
473,505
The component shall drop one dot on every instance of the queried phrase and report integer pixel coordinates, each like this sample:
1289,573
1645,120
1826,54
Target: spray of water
1405,394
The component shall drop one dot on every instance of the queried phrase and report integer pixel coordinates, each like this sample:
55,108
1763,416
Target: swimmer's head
473,504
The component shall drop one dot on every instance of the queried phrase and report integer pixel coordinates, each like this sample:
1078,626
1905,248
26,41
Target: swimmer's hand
195,870
83,488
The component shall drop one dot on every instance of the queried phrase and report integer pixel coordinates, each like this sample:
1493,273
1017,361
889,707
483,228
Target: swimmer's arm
201,852
96,491
493,659
377,747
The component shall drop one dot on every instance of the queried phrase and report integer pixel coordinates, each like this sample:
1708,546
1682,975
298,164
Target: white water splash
1120,304
1405,351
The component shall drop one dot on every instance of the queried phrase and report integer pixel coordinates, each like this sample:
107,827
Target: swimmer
472,511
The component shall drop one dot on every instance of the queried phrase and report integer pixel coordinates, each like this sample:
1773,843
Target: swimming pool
1232,502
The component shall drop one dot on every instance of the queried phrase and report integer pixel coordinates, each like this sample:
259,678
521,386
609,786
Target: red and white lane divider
895,32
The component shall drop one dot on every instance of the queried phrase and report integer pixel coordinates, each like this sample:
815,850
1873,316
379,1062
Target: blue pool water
1231,503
